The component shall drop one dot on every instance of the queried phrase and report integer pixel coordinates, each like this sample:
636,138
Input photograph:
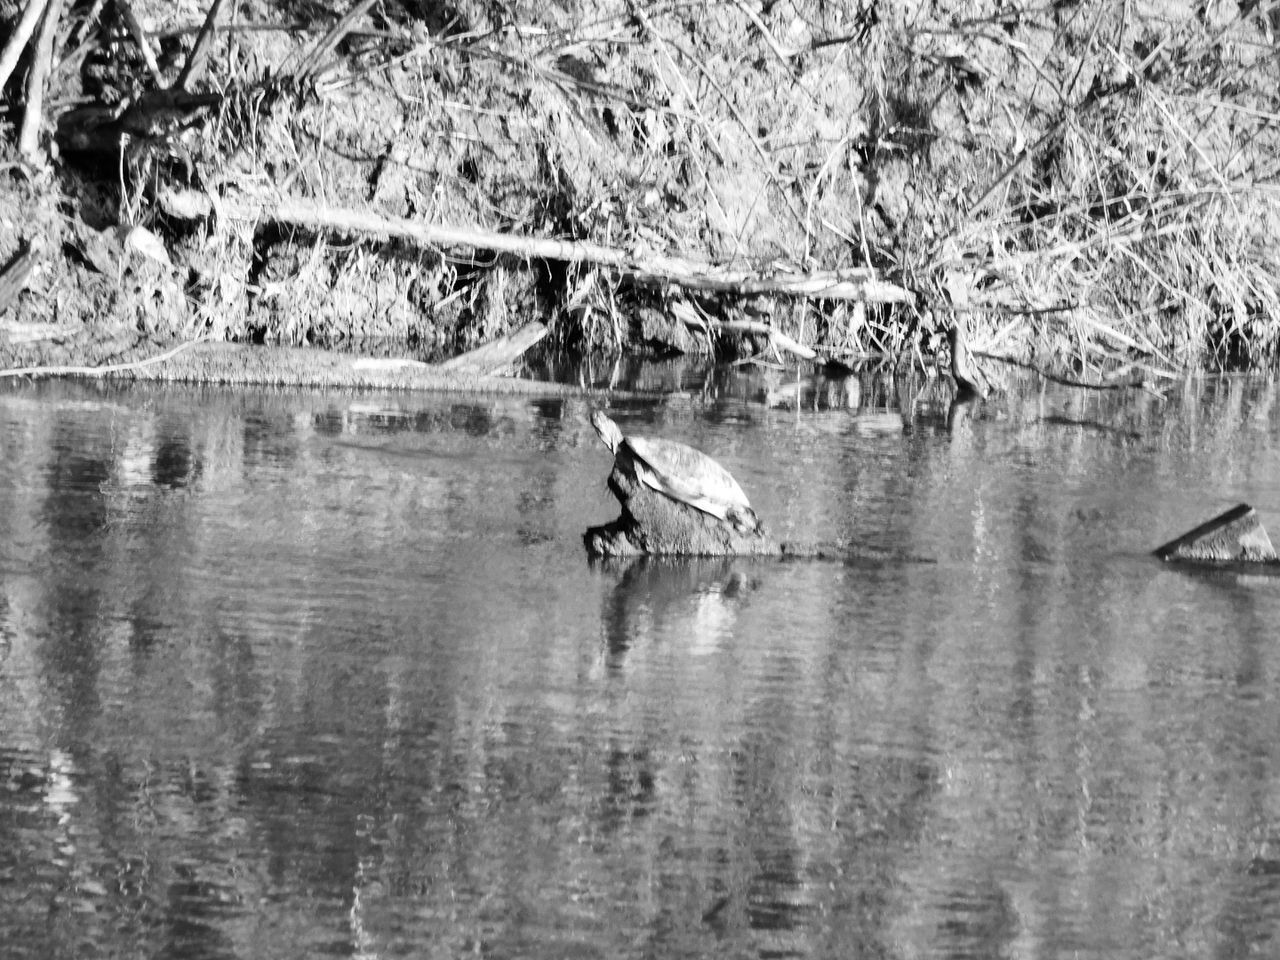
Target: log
854,284
1236,536
652,523
18,39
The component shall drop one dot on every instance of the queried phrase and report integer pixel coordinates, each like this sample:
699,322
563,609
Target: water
301,674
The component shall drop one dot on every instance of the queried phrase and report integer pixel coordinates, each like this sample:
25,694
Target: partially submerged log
653,523
202,361
497,355
1236,536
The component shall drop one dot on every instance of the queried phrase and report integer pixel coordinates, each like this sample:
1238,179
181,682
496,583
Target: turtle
680,472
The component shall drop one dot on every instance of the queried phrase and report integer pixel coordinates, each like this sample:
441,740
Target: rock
652,523
1236,536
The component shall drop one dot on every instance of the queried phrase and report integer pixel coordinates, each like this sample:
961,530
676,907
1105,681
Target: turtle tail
608,430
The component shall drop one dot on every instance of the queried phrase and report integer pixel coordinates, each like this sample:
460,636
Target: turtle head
608,430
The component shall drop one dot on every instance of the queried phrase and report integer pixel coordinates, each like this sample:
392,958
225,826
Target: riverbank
1088,188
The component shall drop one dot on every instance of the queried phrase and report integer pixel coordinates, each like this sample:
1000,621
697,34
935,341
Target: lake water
291,674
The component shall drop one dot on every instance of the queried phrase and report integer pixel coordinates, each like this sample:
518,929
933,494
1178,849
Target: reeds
1092,186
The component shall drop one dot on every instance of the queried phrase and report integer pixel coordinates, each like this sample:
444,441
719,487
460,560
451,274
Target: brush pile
1091,187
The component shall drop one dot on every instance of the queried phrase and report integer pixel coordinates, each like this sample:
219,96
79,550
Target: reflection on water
299,674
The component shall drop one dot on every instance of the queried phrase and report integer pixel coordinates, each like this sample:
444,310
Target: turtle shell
685,474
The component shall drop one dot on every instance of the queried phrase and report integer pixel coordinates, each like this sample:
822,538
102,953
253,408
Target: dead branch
13,278
855,284
28,138
88,20
759,328
311,61
784,56
18,39
198,58
140,37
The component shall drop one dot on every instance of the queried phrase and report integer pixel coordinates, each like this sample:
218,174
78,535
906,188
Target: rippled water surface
290,675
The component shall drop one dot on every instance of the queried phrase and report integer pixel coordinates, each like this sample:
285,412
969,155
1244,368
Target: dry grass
1092,185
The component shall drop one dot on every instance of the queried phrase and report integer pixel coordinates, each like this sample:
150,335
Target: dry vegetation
1091,185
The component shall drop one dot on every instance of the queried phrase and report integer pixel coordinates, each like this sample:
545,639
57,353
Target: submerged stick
855,284
1132,383
1234,536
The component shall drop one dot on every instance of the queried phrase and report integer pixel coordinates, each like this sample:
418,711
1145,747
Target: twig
103,370
87,22
13,278
292,27
198,58
836,153
28,138
1013,168
782,55
131,23
18,39
326,44
733,109
853,284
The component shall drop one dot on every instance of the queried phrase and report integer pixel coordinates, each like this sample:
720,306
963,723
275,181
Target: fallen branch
18,39
312,59
198,58
854,284
756,327
125,10
13,278
101,371
29,136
